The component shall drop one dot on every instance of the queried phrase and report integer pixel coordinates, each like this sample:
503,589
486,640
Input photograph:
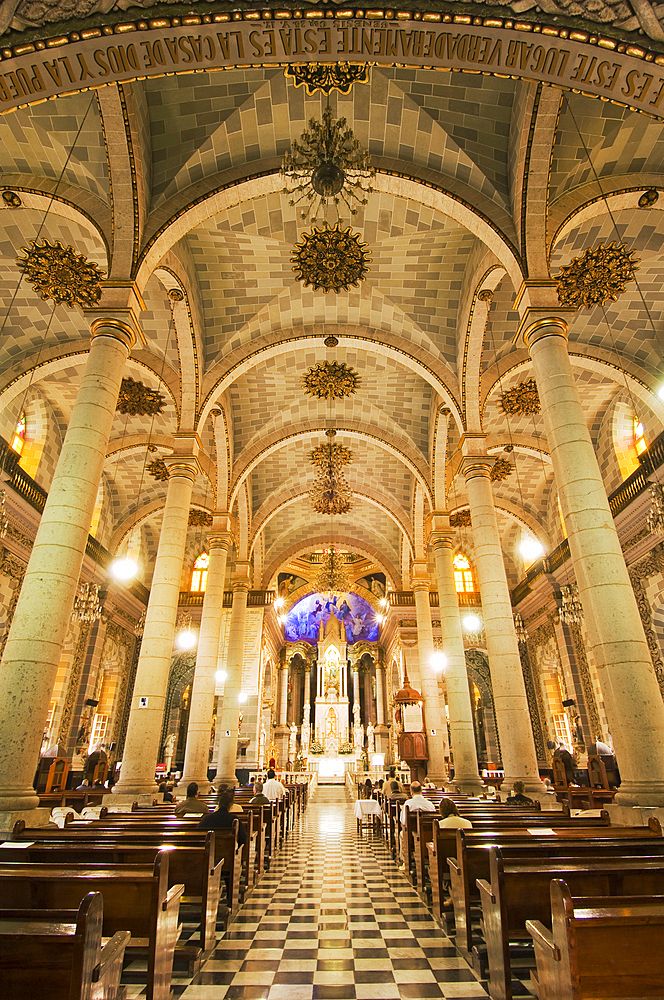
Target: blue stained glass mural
308,618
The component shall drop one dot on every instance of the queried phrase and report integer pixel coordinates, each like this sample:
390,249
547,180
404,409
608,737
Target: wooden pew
422,835
136,898
59,954
192,865
598,948
472,859
519,890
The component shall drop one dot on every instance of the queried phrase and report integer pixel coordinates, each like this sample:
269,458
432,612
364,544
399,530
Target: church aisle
334,920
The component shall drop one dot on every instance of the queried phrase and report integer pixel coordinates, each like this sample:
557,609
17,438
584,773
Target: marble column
141,748
230,709
509,690
631,694
207,657
380,694
466,769
283,695
434,707
355,670
39,625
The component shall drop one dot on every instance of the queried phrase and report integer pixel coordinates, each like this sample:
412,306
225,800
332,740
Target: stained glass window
200,573
463,575
639,437
19,434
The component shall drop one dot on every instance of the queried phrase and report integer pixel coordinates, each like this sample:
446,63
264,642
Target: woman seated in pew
222,818
517,798
450,816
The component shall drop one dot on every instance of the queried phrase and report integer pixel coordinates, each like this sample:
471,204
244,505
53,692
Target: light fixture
124,569
380,619
473,626
520,628
383,602
660,392
570,611
439,662
220,676
655,519
279,602
87,607
332,578
530,549
185,637
327,165
331,493
242,697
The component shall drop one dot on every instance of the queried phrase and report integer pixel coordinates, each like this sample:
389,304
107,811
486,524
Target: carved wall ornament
331,380
200,518
648,198
327,77
158,470
137,400
460,519
59,273
175,294
502,468
521,399
331,341
597,276
486,295
331,258
11,199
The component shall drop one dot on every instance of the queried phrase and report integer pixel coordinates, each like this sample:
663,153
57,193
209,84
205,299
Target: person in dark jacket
221,818
517,798
563,754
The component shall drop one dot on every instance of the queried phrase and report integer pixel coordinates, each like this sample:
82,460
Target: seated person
222,818
394,789
367,789
517,798
192,803
83,787
167,792
416,802
450,816
273,789
259,798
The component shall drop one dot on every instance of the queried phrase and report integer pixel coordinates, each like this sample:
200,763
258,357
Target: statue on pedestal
305,730
292,742
358,730
371,740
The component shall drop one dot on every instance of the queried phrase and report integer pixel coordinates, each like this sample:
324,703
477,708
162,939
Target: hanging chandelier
330,493
655,519
327,166
570,611
520,629
87,607
332,578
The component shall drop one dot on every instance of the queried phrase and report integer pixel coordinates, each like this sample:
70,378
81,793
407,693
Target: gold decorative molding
331,455
59,273
326,77
597,276
158,470
522,399
137,400
460,519
199,518
331,258
648,198
11,199
331,380
500,470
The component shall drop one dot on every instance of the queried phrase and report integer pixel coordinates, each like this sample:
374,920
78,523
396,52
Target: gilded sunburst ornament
199,518
522,399
327,77
138,400
501,469
158,470
59,273
597,276
331,258
331,380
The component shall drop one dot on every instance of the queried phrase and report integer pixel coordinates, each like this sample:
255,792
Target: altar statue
305,730
331,733
292,742
371,739
358,735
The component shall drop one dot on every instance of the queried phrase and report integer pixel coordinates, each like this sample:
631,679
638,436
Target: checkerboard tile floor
333,919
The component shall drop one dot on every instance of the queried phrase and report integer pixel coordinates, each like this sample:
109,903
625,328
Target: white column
38,629
630,690
137,774
207,656
230,709
434,708
283,695
380,694
509,690
466,770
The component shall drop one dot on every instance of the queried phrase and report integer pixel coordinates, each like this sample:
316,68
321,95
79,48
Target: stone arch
484,716
323,538
180,677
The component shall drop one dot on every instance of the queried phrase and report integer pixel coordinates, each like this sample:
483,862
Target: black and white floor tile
333,919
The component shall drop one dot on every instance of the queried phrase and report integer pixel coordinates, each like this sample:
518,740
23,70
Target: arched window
463,575
199,574
640,442
19,434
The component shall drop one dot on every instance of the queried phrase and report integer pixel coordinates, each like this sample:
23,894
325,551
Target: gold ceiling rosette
331,258
599,275
59,273
331,380
501,469
138,400
522,399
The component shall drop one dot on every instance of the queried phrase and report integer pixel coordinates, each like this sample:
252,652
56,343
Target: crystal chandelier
570,611
87,608
520,628
655,520
332,578
4,520
331,493
326,165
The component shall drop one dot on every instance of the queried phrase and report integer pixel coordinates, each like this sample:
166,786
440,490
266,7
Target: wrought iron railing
255,599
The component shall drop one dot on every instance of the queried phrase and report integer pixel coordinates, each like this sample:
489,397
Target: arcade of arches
501,549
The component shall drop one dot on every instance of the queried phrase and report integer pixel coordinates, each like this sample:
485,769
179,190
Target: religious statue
169,750
356,714
371,740
262,739
292,742
331,732
305,730
358,735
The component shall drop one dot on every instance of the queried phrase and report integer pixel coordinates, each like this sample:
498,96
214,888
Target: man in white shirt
272,788
416,803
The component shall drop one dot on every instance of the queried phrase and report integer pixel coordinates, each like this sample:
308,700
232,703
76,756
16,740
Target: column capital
222,521
116,313
474,466
419,576
219,540
242,576
182,467
539,323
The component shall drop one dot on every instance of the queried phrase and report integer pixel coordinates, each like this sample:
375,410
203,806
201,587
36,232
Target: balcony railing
255,599
406,599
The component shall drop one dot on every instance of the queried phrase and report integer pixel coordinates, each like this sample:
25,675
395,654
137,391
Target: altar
332,715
